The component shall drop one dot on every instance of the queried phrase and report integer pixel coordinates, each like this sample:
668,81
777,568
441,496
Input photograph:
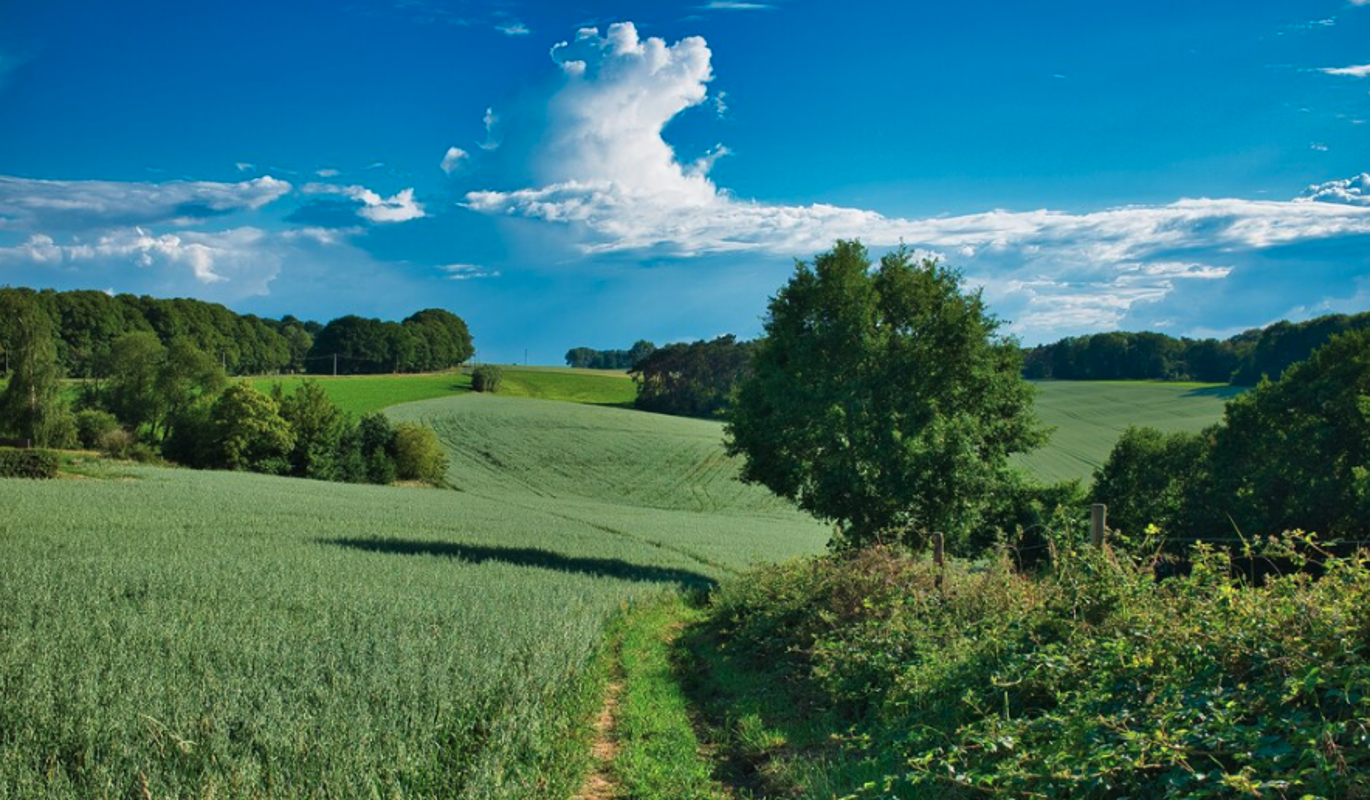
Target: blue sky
566,174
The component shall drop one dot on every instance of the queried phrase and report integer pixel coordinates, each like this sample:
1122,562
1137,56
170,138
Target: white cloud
466,272
452,161
243,166
1351,191
731,5
38,205
242,256
327,172
400,207
605,169
1319,146
491,120
513,29
1360,71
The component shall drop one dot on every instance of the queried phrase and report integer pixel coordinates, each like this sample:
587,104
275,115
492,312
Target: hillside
1089,416
209,633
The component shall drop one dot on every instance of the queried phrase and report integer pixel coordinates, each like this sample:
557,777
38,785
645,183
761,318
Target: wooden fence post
939,557
1098,523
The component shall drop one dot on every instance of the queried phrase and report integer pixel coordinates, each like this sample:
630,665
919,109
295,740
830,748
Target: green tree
487,378
319,427
1148,477
185,375
248,431
1294,453
31,406
135,360
883,400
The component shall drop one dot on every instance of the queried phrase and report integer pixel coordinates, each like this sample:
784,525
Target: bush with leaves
91,426
1089,679
419,456
248,432
319,427
1148,477
487,378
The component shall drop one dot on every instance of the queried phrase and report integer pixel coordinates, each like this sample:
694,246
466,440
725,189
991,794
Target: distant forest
88,322
1241,360
589,358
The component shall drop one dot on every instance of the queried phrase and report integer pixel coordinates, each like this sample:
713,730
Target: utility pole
335,365
525,356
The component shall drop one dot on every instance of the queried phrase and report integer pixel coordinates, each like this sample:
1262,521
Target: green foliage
430,340
185,377
31,405
692,380
487,378
131,391
1147,479
32,464
319,427
883,400
248,431
588,358
1091,680
92,425
1293,454
419,456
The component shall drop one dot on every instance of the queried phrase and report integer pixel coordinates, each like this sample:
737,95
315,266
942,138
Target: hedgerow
28,463
1090,679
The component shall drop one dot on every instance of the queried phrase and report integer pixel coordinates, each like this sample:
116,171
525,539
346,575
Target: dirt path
600,783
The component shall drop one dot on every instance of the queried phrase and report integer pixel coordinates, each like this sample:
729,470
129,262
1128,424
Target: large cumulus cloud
605,168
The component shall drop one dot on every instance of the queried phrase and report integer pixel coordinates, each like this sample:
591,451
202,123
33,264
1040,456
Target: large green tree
883,400
31,406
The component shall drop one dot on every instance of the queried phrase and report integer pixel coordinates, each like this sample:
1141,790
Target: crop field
1089,416
359,394
200,634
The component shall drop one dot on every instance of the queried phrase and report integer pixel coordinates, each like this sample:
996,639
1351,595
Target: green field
232,635
1089,416
358,394
171,633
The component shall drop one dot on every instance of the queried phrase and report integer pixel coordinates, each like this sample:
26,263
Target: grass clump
1091,679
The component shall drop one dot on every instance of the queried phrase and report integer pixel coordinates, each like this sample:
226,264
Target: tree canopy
882,400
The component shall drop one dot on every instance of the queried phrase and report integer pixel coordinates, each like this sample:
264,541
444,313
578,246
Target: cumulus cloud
39,205
400,207
451,162
242,256
1359,71
606,169
1351,191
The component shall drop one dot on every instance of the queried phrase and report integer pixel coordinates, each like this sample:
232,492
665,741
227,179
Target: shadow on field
1221,392
530,557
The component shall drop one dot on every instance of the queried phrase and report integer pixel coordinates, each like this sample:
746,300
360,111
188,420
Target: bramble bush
1088,679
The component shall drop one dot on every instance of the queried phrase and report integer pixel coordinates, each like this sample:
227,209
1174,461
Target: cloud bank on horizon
608,170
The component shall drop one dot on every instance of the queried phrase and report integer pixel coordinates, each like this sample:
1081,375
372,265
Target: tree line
87,323
176,401
1240,360
588,358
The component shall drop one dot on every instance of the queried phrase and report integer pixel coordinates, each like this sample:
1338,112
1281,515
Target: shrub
487,378
248,431
1091,679
34,464
1147,478
117,443
419,456
91,426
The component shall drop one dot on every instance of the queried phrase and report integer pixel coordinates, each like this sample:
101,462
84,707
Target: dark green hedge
28,463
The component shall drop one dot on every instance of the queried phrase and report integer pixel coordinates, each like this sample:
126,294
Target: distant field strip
1089,416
